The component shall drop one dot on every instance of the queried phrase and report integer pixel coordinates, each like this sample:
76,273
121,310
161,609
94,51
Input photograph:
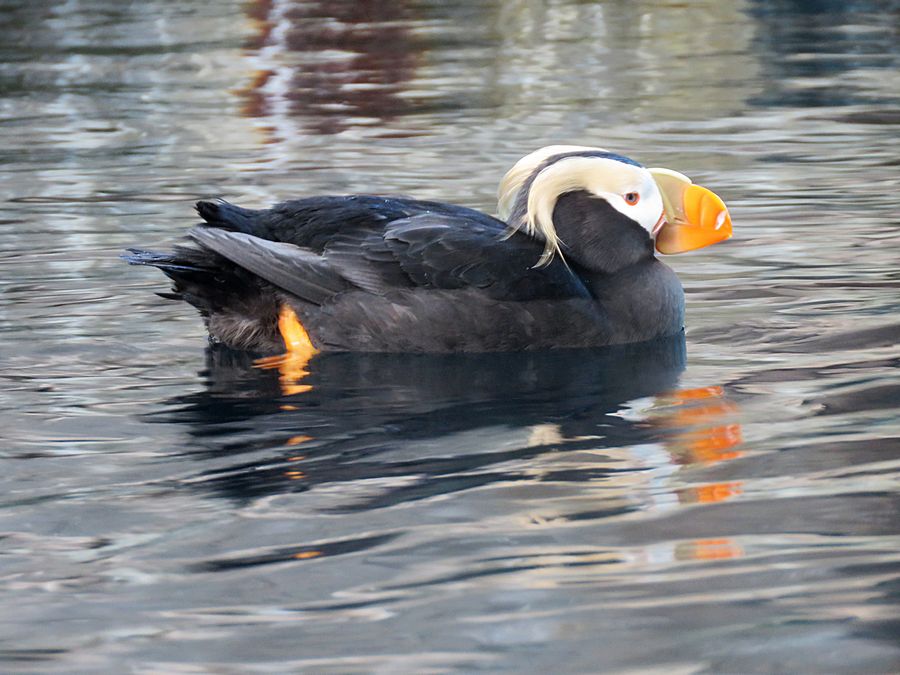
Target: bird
568,262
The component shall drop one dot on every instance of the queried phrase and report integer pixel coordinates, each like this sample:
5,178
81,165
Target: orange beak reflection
701,431
694,216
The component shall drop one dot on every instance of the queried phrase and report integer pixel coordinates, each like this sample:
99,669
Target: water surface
723,502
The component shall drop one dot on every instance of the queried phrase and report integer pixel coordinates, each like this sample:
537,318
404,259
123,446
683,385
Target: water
725,503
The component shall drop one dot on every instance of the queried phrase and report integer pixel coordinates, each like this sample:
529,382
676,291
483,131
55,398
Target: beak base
695,216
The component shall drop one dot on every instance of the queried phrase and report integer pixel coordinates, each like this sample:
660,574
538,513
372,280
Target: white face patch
648,208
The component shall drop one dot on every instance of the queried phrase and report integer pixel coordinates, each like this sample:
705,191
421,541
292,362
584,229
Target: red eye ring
632,198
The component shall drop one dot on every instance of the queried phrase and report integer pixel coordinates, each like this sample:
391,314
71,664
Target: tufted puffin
569,262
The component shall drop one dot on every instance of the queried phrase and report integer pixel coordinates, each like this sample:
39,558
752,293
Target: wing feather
307,275
448,252
436,249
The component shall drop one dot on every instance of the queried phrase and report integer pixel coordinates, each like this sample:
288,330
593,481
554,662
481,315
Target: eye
632,198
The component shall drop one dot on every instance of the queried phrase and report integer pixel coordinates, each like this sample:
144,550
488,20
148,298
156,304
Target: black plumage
366,273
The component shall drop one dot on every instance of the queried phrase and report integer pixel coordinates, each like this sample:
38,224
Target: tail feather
171,296
239,308
179,260
201,277
227,216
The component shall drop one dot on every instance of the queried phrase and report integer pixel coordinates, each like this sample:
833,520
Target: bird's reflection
430,425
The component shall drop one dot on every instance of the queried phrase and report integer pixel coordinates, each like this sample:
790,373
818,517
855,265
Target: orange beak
693,217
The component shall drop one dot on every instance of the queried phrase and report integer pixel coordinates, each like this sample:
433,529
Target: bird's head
648,205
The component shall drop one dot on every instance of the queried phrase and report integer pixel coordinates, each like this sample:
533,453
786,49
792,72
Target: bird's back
368,273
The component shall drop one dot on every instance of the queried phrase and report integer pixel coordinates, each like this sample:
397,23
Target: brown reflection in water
334,63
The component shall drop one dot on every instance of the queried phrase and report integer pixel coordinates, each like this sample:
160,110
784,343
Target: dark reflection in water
807,40
347,415
420,427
